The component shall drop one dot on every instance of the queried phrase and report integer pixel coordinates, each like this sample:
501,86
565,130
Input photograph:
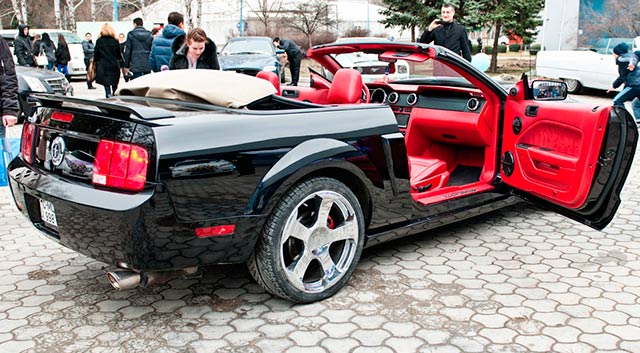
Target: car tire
302,258
573,86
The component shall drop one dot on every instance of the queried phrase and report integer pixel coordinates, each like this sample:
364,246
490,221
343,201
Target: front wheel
573,86
311,242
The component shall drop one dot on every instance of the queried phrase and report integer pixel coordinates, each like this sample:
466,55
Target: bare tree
621,20
20,10
266,11
309,17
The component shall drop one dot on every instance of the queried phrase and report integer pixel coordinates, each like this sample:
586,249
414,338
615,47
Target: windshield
248,46
428,72
70,37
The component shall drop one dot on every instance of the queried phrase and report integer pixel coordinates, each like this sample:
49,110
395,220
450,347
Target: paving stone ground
517,280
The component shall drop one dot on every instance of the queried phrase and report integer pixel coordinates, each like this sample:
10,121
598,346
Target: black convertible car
195,167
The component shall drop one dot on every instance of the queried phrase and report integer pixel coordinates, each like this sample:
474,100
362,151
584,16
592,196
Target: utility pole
241,27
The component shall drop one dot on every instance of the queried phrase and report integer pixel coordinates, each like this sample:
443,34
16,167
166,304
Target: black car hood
253,61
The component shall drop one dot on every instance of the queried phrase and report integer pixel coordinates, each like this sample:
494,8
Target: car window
429,72
69,37
248,46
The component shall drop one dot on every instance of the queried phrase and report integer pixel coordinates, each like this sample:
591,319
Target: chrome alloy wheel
319,241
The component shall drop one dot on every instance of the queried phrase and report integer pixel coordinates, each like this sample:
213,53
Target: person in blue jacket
636,101
628,74
161,48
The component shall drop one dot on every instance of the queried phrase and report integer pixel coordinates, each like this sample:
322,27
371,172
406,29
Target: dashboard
404,100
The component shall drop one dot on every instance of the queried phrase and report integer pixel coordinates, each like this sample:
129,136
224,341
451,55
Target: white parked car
592,68
371,68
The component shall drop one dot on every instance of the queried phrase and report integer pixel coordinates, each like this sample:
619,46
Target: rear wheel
573,86
311,242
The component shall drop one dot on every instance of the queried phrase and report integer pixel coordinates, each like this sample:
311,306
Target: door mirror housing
546,90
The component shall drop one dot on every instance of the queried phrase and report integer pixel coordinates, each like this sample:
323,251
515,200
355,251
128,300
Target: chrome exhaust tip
124,280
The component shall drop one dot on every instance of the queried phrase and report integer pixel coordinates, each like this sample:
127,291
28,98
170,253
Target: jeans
635,105
294,67
109,90
63,69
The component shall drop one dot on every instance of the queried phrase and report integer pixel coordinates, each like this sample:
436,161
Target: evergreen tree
518,16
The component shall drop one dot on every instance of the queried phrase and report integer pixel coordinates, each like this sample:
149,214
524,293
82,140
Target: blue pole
115,10
241,21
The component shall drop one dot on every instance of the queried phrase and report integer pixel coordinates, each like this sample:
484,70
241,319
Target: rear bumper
139,230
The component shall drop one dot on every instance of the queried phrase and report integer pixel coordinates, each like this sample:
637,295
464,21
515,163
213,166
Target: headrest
346,87
271,77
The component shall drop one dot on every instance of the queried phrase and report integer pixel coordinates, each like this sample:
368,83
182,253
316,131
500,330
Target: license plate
48,213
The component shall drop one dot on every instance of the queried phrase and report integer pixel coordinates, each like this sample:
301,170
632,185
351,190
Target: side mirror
544,90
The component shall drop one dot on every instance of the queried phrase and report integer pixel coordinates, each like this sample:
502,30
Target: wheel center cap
319,238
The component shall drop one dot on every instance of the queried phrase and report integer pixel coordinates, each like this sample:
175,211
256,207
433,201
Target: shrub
488,49
356,32
502,48
515,47
534,49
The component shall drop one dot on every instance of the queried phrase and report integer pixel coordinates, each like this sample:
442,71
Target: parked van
76,65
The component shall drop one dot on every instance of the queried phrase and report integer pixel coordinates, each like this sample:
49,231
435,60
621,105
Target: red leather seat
271,77
346,87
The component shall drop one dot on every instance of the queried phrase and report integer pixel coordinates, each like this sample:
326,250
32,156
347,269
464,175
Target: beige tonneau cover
222,88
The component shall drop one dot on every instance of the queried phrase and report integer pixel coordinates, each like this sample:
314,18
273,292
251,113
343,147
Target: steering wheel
366,95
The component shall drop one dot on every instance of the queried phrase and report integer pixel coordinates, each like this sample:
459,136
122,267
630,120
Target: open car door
570,157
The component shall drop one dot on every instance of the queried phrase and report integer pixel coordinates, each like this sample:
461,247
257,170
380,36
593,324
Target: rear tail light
120,165
26,143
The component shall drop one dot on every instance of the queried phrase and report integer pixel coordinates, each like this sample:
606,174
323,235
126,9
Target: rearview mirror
544,90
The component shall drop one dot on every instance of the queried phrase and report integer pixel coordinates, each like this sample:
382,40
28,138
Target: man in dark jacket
448,33
8,88
197,52
137,49
22,47
88,49
628,74
294,56
161,49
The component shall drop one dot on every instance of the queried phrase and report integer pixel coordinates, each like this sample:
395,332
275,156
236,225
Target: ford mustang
188,168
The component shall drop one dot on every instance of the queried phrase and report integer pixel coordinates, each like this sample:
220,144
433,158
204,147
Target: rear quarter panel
253,142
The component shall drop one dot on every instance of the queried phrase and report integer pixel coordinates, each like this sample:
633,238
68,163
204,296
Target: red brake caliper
330,223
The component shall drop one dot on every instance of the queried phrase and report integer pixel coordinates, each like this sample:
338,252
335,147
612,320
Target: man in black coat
8,88
294,55
447,33
137,49
22,47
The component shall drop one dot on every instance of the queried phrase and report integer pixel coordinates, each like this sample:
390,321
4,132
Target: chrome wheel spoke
329,269
297,269
297,230
346,231
323,211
